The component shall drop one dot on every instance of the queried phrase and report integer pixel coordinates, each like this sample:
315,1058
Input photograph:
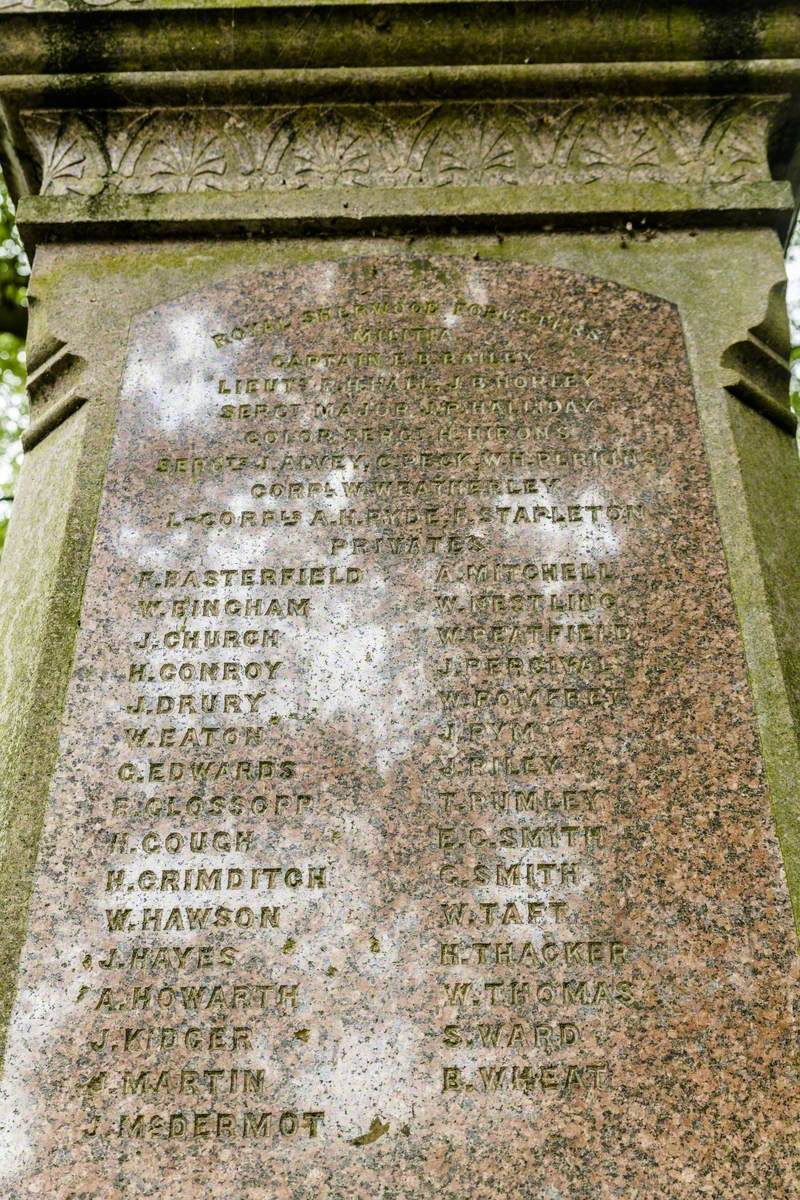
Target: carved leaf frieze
697,140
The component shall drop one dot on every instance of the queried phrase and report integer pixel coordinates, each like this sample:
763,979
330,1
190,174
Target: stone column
399,696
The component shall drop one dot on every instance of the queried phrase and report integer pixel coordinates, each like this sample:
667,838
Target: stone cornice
384,211
481,96
58,37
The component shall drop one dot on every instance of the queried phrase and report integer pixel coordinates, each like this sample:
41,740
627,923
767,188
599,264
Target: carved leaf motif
620,144
546,137
124,136
331,155
483,151
688,134
404,144
187,157
64,166
737,153
261,143
71,160
737,142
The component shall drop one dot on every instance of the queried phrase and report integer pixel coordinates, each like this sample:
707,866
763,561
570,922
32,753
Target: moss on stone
41,587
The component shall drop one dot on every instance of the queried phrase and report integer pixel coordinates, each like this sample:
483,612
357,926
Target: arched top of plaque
490,312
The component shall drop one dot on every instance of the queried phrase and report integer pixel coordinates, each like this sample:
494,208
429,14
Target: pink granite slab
409,837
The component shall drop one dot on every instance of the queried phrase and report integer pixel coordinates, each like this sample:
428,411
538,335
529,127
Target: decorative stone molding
694,140
162,117
761,363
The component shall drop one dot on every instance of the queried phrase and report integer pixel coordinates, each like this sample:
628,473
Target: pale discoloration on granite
677,1080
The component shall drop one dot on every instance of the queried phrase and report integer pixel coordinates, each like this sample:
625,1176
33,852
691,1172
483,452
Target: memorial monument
398,718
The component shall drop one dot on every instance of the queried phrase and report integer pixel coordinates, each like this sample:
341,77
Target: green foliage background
14,273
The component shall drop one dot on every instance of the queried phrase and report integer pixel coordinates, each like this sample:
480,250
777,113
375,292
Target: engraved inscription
398,748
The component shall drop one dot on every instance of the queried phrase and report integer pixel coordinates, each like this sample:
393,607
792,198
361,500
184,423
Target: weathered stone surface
141,151
465,808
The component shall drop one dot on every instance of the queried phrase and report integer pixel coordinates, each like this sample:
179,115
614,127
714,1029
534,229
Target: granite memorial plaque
408,837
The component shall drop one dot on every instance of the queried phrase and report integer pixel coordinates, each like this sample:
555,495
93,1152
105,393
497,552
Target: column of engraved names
213,863
529,624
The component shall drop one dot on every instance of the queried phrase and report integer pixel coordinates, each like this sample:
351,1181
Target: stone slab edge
41,589
354,211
